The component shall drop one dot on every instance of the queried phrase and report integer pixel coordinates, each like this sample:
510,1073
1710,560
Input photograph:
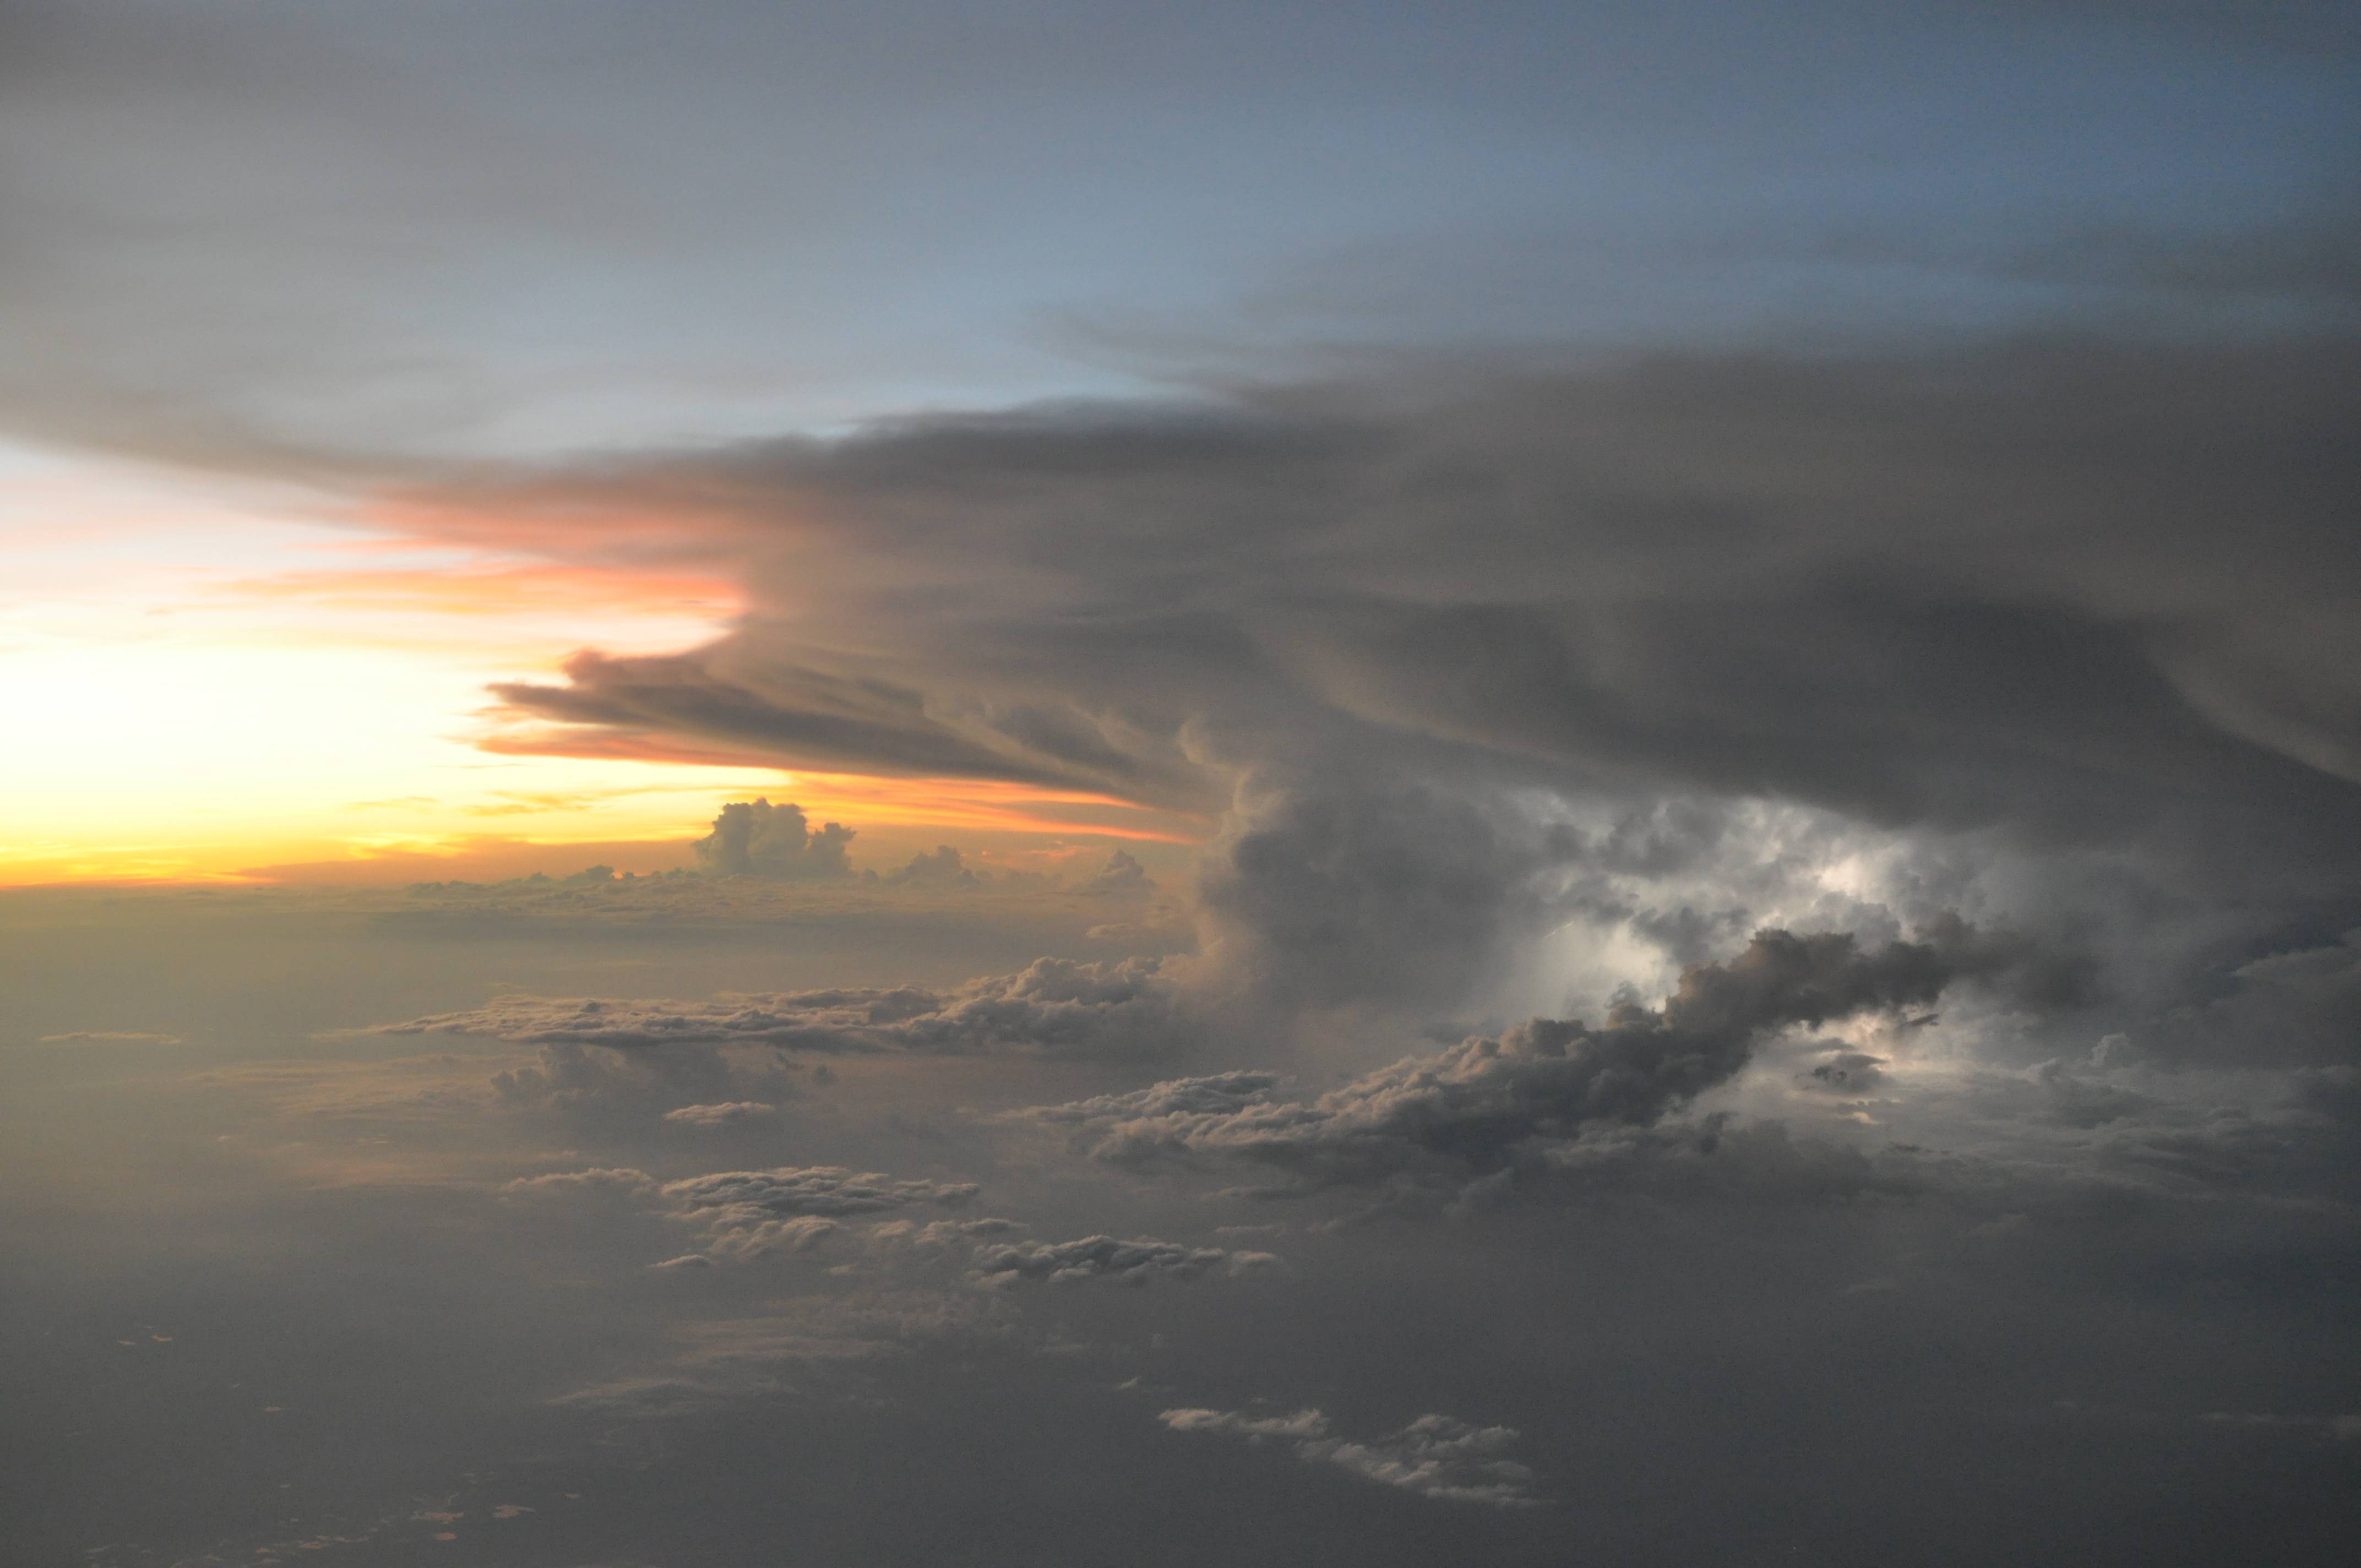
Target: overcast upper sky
1067,784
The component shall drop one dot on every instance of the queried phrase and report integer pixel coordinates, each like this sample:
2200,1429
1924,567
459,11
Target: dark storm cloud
1338,890
2299,1008
2088,599
1488,1104
2021,551
2074,568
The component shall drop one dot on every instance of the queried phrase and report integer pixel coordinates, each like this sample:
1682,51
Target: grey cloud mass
1482,1105
2300,1007
1409,635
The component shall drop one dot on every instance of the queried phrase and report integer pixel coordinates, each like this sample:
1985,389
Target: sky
1051,784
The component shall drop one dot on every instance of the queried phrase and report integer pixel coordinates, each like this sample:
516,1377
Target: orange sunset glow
234,683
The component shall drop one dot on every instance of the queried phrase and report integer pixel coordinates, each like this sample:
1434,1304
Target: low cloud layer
1054,1006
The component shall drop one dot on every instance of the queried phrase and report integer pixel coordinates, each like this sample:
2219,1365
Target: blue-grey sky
475,228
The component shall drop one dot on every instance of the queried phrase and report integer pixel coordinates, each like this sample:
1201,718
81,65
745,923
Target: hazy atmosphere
1069,784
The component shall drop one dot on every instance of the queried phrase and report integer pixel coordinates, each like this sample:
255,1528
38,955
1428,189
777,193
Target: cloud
1220,1093
855,1326
2300,1007
109,1037
568,1078
1976,591
623,1197
757,838
1434,1456
826,720
1054,1007
1494,679
818,1020
1844,1072
1487,1104
1121,877
746,1234
720,1116
2184,1149
1134,1262
1301,1424
2078,1100
598,1180
720,1360
940,867
1396,584
809,1190
939,1235
747,1214
1334,891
